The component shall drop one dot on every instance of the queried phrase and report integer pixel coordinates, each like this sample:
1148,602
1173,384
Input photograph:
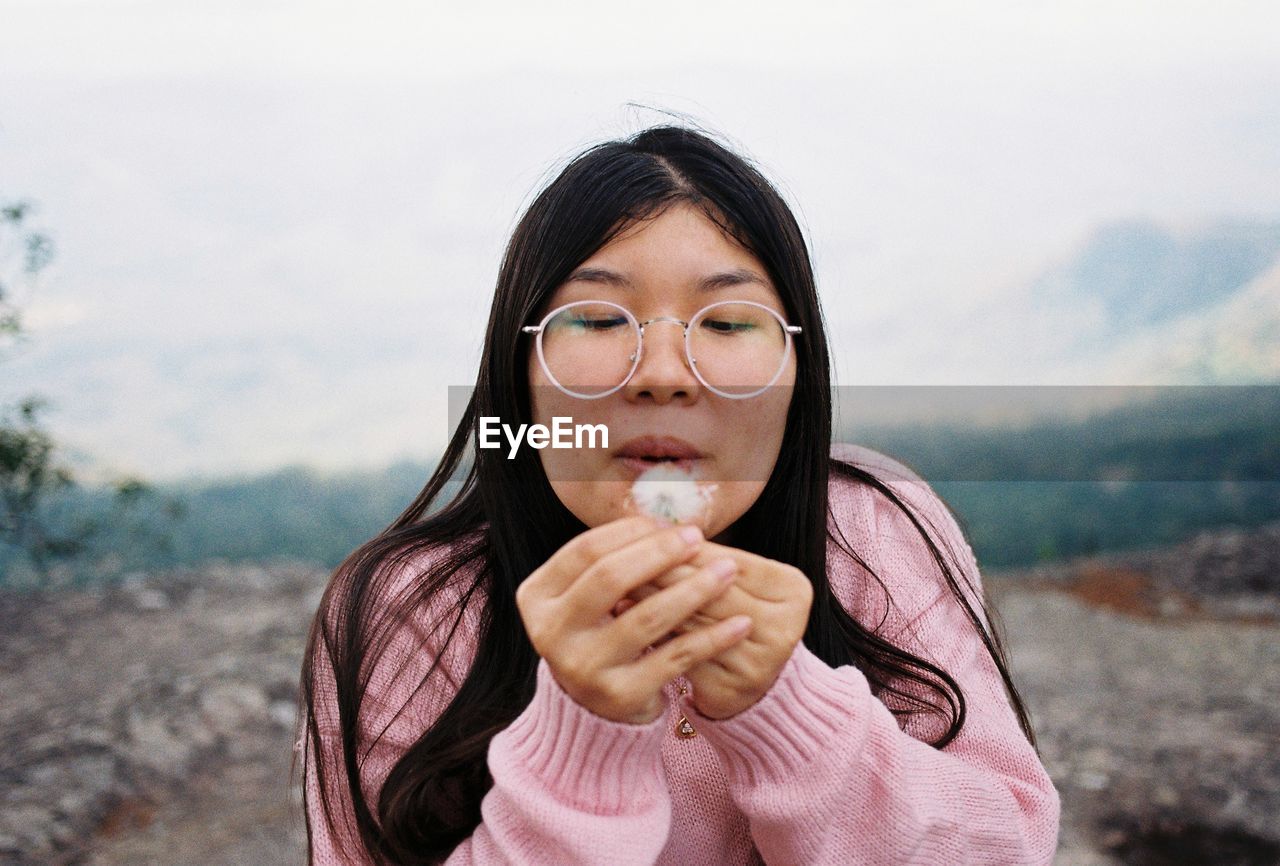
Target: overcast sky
278,224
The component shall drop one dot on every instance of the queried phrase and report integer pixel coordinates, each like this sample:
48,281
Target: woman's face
656,268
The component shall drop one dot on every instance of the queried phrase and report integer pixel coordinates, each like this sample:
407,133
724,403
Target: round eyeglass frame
538,329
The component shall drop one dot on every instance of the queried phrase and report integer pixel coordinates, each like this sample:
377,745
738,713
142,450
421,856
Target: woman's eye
725,326
597,324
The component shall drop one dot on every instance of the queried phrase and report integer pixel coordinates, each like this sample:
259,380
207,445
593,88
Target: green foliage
28,479
22,251
294,512
1019,523
1146,474
58,527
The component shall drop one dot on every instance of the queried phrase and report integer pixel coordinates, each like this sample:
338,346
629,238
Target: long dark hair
504,520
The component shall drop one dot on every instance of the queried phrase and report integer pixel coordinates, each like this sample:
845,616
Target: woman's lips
659,447
642,453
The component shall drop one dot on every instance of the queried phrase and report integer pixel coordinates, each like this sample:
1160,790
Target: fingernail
742,626
691,534
724,569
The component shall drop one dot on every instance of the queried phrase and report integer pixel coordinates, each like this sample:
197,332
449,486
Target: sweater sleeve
825,773
569,787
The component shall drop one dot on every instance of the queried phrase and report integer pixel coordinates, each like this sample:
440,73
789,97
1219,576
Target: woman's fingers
559,572
616,573
758,577
677,655
663,612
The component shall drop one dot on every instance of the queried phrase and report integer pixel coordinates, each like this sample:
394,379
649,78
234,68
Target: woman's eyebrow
721,280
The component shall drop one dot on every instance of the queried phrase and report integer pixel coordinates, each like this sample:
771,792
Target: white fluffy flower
671,494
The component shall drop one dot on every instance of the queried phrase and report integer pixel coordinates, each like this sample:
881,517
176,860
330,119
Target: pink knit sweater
819,771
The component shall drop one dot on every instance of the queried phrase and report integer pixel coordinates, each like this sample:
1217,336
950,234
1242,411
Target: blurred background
247,248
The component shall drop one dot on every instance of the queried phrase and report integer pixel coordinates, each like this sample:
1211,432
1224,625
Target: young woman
534,672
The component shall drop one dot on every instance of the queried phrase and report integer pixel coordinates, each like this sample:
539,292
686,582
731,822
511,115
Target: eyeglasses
590,349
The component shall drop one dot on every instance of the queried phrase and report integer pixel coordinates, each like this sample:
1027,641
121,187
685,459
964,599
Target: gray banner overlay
1109,434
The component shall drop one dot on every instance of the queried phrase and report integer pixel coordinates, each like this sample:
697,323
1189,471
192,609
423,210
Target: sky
278,224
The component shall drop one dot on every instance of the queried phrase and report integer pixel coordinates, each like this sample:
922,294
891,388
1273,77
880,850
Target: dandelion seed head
670,494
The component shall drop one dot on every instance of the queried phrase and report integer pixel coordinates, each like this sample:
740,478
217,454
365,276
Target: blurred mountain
1145,274
1138,304
1233,341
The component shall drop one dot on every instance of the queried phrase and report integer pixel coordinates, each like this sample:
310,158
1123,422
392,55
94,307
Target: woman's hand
600,660
774,595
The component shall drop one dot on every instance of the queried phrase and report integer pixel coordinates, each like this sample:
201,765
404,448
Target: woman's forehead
679,221
678,250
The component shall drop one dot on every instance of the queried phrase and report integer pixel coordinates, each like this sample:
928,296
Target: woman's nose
664,372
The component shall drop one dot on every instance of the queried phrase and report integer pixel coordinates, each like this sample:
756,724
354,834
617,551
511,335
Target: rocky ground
153,722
